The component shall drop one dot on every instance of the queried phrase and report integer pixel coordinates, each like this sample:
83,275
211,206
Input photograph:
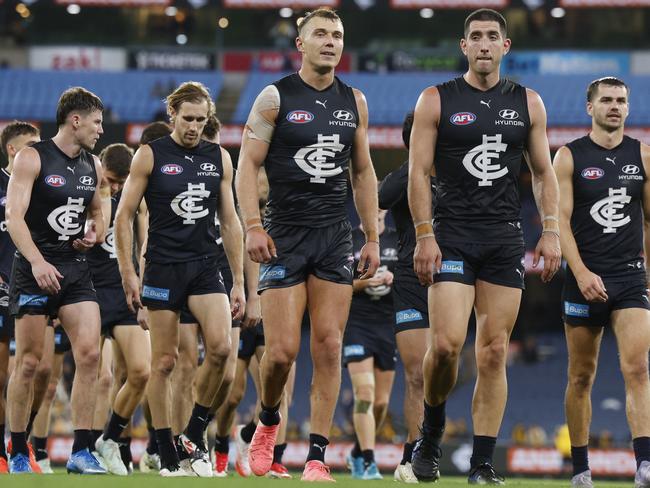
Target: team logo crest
172,169
478,161
189,204
462,118
316,159
606,211
64,220
300,117
109,243
55,180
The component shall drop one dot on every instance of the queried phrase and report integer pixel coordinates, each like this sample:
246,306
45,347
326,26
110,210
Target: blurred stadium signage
416,60
70,58
271,61
280,3
567,63
605,3
459,4
171,60
116,3
539,461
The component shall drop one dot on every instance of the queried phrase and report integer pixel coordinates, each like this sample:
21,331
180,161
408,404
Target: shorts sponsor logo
275,272
300,117
172,169
32,300
57,339
576,309
452,267
592,173
462,118
410,315
241,345
161,294
353,350
55,180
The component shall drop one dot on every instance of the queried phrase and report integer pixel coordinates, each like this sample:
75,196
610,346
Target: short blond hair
189,91
323,12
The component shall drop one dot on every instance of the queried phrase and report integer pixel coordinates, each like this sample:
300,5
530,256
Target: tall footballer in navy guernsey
604,207
13,138
305,129
53,215
473,133
185,182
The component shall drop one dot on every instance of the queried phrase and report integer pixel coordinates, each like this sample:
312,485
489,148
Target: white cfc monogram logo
188,204
605,211
65,219
478,161
109,243
314,159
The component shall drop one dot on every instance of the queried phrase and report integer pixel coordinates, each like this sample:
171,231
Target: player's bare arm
254,148
427,258
591,285
645,157
132,194
27,166
364,188
545,187
96,222
232,236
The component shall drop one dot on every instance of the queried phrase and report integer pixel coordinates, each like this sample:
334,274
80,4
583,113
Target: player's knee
29,365
87,358
381,409
105,380
281,357
581,381
50,392
365,392
228,378
414,377
491,357
328,351
446,351
635,372
139,376
218,354
43,372
362,406
165,364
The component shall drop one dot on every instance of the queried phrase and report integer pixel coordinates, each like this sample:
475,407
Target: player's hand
47,277
548,247
259,245
56,322
143,318
368,260
131,285
253,314
387,278
88,241
237,302
591,286
427,259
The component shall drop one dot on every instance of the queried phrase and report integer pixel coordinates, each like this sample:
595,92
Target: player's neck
316,80
481,81
176,138
10,166
608,140
65,142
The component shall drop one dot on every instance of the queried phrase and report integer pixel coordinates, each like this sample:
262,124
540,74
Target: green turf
62,480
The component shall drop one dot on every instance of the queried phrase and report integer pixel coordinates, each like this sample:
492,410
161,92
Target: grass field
62,480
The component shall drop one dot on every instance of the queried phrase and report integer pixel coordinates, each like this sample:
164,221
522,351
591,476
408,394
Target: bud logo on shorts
300,117
576,309
55,180
452,267
172,169
410,315
355,350
462,118
161,294
32,300
273,272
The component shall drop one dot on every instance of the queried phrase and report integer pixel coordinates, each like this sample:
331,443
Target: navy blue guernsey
375,304
478,155
7,247
103,258
308,159
61,193
607,219
393,196
182,197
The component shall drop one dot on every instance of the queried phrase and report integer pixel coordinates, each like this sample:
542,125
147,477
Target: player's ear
299,45
463,45
590,109
506,45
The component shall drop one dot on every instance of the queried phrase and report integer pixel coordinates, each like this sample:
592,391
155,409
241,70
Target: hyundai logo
631,169
208,167
508,114
343,115
86,180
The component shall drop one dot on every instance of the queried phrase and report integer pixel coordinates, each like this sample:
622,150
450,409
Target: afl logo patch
592,173
462,118
172,169
508,114
55,180
208,167
631,169
343,115
300,117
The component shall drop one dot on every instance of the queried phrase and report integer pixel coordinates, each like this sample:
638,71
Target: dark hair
212,127
154,131
407,126
117,159
76,99
323,12
607,81
15,129
487,14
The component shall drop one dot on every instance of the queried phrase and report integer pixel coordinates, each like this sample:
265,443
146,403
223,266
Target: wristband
424,236
551,217
372,236
423,229
254,226
550,231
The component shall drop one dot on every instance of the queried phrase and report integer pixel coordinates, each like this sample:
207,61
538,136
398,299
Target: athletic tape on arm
258,127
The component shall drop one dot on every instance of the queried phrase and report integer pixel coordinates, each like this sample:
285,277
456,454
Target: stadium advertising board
280,3
272,61
604,3
540,461
567,63
71,58
457,4
414,60
116,3
171,60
